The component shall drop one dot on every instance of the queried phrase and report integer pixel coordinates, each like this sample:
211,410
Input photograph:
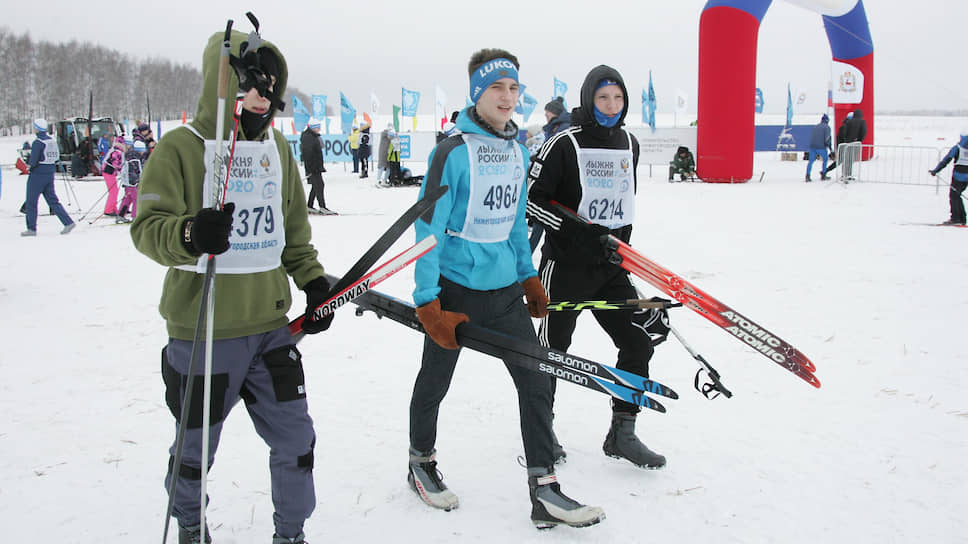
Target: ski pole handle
629,304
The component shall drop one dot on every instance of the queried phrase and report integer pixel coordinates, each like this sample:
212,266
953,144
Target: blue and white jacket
960,172
39,162
475,265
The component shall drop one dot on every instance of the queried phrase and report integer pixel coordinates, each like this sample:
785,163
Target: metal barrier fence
895,164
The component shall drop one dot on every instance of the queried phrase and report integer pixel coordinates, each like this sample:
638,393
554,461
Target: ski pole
629,304
707,388
207,308
94,206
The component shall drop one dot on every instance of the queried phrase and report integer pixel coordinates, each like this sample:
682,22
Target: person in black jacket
854,131
589,169
557,118
311,151
364,149
841,139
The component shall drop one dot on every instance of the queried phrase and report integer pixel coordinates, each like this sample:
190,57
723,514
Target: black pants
568,281
501,310
957,204
364,163
316,184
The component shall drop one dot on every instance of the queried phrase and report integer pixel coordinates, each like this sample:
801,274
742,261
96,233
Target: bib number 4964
501,196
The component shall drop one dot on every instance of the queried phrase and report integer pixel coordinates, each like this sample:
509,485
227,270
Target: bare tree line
54,81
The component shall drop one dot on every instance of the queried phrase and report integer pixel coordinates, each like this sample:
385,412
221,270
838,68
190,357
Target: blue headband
488,73
605,83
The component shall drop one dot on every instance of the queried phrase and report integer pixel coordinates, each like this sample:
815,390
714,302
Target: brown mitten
440,325
537,299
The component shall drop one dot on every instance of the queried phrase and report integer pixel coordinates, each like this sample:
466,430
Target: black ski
387,239
627,386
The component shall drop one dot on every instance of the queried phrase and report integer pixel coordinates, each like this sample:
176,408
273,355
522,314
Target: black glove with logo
208,232
654,321
316,294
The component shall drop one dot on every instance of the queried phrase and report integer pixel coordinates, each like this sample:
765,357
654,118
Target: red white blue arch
728,32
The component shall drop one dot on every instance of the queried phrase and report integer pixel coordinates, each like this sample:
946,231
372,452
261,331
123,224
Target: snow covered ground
876,455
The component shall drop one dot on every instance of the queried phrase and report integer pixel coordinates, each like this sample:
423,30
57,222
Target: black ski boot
193,535
298,539
621,443
551,507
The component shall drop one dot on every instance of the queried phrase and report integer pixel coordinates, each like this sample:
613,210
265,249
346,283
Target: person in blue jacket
820,144
478,272
959,178
44,155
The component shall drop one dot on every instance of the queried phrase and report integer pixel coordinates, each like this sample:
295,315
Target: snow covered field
876,455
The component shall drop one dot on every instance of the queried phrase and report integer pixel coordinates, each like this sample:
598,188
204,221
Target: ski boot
551,507
426,481
298,539
193,535
621,443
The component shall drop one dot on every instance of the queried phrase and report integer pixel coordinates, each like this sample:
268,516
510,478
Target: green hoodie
171,193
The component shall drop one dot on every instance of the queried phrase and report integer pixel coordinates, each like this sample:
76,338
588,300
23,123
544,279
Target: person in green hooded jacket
261,236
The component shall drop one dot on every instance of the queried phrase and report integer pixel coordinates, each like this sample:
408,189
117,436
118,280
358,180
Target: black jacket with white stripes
553,176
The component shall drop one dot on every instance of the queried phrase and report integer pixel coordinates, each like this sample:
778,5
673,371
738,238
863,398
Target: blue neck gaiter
605,121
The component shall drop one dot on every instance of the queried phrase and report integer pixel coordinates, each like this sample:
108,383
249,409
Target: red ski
733,322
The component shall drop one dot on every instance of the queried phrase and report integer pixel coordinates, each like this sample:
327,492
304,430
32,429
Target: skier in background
44,156
113,160
959,178
819,145
134,161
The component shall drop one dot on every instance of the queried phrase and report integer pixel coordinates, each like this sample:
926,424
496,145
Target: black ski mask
256,66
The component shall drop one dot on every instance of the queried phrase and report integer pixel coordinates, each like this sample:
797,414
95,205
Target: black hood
585,114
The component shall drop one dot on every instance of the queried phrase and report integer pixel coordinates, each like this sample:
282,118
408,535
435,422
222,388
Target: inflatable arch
727,78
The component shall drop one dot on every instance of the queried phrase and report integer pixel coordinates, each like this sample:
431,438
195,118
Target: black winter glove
589,240
208,232
933,173
316,294
654,321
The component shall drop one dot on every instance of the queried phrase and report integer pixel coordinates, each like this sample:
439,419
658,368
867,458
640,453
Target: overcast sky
379,45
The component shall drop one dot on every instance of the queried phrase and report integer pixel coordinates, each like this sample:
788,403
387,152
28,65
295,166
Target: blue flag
560,89
347,113
319,106
759,100
649,104
300,115
409,101
789,119
526,104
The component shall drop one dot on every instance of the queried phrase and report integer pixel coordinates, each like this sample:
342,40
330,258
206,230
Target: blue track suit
959,178
477,272
819,144
41,181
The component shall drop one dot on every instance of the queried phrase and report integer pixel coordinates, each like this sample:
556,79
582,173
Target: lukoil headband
488,73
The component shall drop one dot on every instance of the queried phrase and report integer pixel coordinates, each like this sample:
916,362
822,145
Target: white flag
848,83
681,101
374,104
440,104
